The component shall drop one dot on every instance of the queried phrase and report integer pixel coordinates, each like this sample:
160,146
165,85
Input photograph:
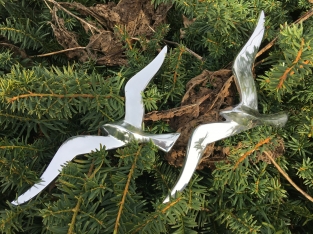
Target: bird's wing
242,67
134,108
201,137
70,149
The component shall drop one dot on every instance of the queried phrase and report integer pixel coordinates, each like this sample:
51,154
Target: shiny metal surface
241,118
69,149
242,66
126,132
119,133
134,108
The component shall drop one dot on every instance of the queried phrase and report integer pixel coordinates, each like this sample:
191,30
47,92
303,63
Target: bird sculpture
240,118
118,134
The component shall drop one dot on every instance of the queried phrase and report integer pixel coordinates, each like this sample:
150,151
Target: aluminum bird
119,134
241,118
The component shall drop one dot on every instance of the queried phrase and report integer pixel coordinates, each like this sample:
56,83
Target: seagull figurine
118,134
240,118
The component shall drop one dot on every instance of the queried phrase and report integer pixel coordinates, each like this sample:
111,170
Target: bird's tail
277,120
164,141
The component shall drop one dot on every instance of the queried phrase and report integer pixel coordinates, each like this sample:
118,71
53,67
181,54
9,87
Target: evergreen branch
241,221
92,217
179,58
127,39
55,95
156,214
18,147
300,20
176,75
16,171
126,190
18,31
75,210
306,62
12,218
156,169
18,159
284,76
59,211
258,145
177,44
24,32
288,178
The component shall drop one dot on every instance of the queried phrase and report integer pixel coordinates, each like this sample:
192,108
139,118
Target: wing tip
245,58
163,51
261,19
134,103
15,203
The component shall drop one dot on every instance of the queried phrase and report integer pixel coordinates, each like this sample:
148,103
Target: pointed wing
201,137
134,109
242,67
69,150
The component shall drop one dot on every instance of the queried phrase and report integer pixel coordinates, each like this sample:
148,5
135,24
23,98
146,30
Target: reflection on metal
119,133
242,117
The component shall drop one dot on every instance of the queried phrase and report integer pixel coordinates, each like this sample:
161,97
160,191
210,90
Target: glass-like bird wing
134,108
69,149
201,137
242,67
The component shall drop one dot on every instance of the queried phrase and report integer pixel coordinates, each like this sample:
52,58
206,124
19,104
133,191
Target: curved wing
69,149
201,137
134,108
242,67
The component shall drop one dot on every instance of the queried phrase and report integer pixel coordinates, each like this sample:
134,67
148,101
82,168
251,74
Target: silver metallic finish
130,128
134,108
126,133
241,118
69,149
119,133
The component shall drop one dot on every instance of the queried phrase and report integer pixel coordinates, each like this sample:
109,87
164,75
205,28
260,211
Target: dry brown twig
226,85
14,49
288,178
188,50
76,17
66,50
57,52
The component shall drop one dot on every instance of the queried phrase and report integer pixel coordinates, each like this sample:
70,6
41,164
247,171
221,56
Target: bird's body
247,116
127,132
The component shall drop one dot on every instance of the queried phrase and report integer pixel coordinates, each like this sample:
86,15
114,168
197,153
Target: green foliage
51,97
18,156
294,65
45,100
23,33
221,28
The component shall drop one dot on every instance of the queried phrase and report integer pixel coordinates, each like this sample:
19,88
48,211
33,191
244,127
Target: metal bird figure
119,134
241,118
